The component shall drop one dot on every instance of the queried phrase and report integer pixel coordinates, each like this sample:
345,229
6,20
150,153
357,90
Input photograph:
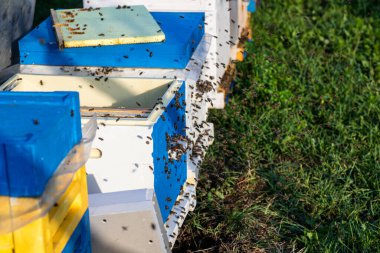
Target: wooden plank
116,112
57,27
105,26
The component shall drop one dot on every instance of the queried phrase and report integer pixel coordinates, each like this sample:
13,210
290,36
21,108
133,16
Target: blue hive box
183,33
80,240
37,131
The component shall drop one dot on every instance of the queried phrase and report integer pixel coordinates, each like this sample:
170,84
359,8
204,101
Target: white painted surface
125,160
186,203
127,222
115,93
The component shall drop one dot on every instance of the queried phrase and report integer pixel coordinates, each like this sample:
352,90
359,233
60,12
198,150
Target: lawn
295,164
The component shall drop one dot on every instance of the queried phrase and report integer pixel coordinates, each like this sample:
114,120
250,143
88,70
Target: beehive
39,214
59,229
197,99
28,155
240,25
199,131
226,21
138,118
40,46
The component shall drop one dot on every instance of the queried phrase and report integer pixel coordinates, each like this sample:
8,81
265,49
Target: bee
150,54
101,34
101,139
36,122
126,56
41,83
138,104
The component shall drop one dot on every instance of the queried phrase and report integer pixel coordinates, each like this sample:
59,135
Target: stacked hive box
179,58
153,131
141,150
226,21
35,218
125,195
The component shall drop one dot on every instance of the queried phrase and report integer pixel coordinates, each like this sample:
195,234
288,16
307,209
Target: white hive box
199,131
240,17
140,123
197,102
217,24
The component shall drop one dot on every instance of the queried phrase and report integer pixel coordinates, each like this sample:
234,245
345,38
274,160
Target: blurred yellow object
51,232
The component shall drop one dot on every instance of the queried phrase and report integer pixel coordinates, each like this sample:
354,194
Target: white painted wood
186,203
128,221
130,93
125,160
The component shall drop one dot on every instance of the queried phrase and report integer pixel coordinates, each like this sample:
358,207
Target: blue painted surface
252,6
80,240
169,177
183,33
37,131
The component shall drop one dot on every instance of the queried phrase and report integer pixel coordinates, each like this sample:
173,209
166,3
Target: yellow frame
51,233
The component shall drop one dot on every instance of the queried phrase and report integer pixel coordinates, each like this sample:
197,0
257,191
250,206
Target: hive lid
105,26
183,32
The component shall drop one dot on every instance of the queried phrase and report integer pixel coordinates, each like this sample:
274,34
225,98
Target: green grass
295,165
